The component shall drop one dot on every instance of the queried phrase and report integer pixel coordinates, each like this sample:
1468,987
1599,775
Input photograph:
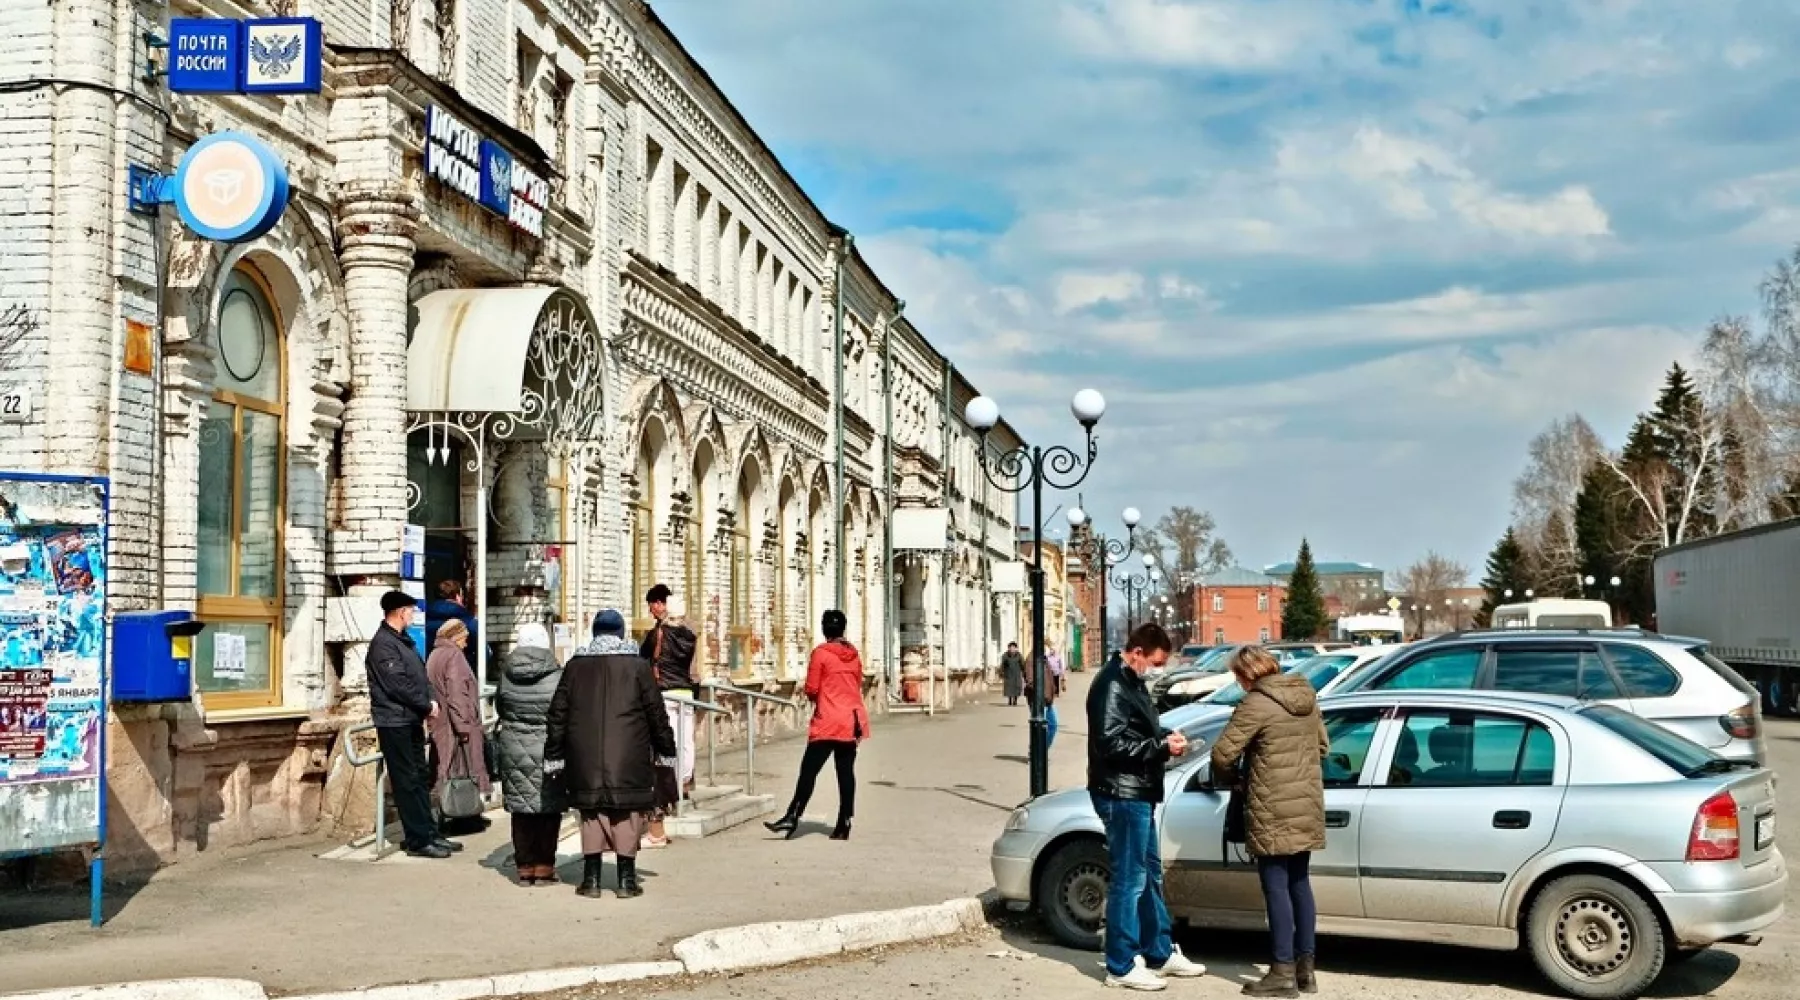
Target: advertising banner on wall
52,661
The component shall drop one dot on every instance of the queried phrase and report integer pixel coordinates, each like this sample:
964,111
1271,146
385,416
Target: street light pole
1134,584
1031,467
1103,553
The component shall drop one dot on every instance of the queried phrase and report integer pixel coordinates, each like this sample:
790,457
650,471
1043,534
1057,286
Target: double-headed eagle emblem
275,57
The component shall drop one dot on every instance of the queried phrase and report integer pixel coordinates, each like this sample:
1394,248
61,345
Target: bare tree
1430,580
1544,497
1672,502
1742,390
1192,533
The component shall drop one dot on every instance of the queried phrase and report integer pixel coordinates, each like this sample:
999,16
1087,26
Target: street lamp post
1134,584
1103,554
1030,467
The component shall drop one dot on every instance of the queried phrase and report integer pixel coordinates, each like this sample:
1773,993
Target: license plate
1765,831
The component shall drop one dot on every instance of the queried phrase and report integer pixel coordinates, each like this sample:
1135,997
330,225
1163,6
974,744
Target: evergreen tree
1505,572
1303,615
1607,527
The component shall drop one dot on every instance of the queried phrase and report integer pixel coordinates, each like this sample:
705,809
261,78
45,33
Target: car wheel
1595,938
1071,892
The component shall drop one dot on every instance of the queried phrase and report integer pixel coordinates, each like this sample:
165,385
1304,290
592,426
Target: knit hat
609,622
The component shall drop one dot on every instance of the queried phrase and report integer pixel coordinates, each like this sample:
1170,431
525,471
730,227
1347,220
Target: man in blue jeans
1127,748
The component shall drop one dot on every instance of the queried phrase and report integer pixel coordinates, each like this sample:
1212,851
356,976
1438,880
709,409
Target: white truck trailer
1741,593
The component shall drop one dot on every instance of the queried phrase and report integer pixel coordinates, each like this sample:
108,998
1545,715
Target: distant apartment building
1236,605
1349,587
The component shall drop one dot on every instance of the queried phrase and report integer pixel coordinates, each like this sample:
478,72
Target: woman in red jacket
834,681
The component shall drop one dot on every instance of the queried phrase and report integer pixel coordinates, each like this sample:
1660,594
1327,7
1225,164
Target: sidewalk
933,793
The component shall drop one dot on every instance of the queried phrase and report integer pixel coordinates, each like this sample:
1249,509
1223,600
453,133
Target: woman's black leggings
810,765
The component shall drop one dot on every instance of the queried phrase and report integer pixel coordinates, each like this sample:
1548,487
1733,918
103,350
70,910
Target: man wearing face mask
1127,749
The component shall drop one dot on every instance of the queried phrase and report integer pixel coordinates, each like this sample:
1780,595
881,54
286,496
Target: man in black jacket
1127,748
400,704
670,646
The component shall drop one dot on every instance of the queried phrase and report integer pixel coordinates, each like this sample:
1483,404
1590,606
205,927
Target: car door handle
1512,819
1337,819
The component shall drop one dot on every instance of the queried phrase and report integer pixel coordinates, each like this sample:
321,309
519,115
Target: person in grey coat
1012,673
535,806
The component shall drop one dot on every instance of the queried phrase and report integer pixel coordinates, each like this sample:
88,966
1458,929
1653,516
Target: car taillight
1740,722
1715,836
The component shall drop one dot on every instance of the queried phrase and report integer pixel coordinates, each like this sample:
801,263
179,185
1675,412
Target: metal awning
468,351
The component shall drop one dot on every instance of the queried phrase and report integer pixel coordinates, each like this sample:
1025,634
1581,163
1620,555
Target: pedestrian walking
1276,740
1012,673
1055,676
606,728
840,722
400,703
669,646
534,805
451,605
1127,749
457,739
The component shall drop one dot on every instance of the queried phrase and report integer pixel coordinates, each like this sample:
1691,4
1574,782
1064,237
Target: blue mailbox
153,655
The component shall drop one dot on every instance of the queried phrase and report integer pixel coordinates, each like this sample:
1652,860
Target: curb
167,989
730,949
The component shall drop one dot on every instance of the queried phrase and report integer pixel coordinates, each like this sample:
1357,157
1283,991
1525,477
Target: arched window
742,525
643,531
237,661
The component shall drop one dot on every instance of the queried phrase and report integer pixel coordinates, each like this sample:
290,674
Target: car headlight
1189,686
1018,819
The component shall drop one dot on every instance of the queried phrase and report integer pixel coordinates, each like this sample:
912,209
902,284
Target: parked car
1194,681
1672,681
1288,652
1187,656
1322,672
1599,843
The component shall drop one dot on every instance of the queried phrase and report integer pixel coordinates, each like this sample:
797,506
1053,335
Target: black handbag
1237,827
490,754
460,796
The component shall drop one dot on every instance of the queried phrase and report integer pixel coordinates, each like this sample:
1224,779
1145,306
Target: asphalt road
1018,960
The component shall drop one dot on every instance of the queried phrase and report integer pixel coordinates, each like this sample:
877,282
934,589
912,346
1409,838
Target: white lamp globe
1088,406
1149,560
1615,581
1077,517
1131,517
982,413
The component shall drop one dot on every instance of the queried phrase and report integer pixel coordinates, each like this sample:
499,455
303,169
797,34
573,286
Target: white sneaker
1180,966
1139,978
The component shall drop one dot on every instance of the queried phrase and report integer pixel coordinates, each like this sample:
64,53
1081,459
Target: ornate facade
654,383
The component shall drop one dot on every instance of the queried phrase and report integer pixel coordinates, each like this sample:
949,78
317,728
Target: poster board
53,581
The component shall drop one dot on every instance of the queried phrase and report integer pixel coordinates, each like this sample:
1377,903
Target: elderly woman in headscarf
535,806
456,735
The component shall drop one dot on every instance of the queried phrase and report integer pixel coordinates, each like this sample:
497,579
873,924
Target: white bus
1554,612
1370,630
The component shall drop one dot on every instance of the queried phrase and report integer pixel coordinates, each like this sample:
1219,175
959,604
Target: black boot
1306,975
842,831
629,886
1278,983
788,823
591,876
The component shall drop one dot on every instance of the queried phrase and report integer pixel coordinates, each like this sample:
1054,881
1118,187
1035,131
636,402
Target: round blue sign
231,187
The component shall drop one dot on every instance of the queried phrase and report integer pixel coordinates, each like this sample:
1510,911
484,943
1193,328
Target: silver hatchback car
1602,843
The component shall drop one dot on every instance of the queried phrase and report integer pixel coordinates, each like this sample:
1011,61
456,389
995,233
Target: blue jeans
1137,922
1287,891
1050,717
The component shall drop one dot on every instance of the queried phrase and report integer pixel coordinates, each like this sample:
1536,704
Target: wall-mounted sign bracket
147,190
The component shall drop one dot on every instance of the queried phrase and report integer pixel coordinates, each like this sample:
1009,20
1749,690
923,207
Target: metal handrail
750,714
713,711
379,836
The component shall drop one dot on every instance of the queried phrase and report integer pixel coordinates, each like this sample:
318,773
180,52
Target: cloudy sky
1333,262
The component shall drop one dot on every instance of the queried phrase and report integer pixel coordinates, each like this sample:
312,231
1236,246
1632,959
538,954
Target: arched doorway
746,526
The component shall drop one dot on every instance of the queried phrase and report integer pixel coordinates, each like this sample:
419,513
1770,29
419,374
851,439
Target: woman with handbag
1275,741
457,740
535,806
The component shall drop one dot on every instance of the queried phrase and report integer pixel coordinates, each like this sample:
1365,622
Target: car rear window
1644,673
1681,754
1724,670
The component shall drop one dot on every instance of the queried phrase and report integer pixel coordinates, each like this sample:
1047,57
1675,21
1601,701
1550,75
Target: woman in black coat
527,686
607,726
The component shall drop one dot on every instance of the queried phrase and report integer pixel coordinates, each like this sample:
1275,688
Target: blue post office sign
283,55
206,55
230,187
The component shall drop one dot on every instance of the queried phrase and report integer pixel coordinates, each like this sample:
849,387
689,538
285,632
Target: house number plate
15,405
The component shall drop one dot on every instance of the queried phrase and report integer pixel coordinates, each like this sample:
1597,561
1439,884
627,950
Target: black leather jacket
1127,746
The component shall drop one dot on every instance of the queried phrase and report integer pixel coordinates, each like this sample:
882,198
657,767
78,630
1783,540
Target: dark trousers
403,753
534,837
844,752
1287,891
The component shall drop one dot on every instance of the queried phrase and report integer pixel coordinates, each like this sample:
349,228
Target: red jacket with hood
834,680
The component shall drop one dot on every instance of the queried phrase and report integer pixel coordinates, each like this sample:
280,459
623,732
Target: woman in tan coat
456,735
1276,739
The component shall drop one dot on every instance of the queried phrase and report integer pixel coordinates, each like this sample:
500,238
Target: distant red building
1237,606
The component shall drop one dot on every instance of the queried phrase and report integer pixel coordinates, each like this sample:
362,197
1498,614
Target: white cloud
1215,35
1079,290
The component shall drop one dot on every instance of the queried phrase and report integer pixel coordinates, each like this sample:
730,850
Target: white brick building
665,406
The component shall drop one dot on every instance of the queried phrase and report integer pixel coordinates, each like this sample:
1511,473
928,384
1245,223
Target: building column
375,232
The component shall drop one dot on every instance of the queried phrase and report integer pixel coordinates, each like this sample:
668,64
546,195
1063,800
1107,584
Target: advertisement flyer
52,631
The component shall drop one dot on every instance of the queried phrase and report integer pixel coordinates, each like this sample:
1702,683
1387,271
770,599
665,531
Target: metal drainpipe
949,543
888,613
987,586
837,353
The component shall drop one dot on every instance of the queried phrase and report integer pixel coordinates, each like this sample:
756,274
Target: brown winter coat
1278,733
459,717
